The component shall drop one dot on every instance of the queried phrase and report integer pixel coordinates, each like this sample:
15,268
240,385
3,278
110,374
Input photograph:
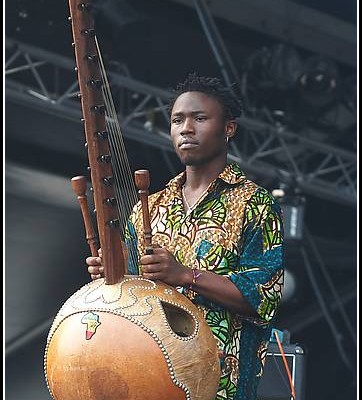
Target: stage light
318,82
277,67
292,204
284,66
269,78
293,214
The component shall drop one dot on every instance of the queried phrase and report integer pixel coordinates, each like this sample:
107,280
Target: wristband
195,275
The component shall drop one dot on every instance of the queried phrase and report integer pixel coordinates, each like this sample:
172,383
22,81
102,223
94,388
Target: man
219,235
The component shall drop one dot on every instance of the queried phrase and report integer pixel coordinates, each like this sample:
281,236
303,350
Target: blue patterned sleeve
260,271
131,241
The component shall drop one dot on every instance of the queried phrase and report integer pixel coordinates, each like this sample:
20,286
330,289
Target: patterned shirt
234,230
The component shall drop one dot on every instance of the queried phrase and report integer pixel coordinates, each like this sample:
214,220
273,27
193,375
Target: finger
93,261
157,248
151,276
94,270
150,259
100,252
150,268
161,251
96,276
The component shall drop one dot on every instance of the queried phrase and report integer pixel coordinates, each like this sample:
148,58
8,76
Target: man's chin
191,162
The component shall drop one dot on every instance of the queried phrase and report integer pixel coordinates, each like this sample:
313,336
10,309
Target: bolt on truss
264,149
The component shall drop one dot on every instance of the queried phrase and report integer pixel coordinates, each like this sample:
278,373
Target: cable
286,365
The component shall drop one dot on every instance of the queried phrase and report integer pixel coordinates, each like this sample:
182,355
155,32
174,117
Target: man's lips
188,144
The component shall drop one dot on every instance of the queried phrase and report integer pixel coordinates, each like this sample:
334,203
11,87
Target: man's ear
230,128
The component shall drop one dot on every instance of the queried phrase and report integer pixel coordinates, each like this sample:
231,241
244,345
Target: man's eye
176,120
201,118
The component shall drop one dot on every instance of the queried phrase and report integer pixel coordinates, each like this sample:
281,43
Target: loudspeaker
274,383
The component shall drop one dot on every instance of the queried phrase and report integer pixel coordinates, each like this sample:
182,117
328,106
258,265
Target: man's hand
95,267
161,265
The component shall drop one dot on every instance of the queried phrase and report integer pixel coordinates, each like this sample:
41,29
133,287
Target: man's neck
200,176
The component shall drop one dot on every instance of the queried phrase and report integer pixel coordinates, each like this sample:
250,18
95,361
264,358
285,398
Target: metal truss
37,77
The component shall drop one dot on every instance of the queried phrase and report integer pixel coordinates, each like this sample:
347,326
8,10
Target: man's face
199,128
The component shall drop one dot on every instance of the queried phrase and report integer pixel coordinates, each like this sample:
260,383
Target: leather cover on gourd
136,339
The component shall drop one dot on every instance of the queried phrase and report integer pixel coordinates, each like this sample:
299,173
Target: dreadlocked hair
212,87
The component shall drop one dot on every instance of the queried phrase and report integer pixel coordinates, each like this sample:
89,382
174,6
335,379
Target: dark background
158,43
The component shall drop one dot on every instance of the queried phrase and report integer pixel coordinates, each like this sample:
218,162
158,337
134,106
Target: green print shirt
234,230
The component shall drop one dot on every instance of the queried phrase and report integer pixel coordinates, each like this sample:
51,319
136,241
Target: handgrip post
79,185
142,181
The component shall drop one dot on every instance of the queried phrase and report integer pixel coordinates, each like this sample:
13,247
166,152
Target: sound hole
179,320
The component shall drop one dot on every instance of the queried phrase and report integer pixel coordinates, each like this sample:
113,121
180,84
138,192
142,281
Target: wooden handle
79,185
142,181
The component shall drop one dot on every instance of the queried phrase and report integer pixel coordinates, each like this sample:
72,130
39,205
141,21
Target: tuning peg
84,6
102,134
95,83
105,158
113,223
111,201
99,108
91,57
89,32
108,180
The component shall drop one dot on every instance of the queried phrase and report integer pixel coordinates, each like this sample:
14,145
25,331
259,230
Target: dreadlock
212,87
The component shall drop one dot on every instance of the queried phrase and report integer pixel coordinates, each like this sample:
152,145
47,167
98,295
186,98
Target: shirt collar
232,174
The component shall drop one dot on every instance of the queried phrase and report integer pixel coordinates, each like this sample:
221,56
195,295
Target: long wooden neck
90,84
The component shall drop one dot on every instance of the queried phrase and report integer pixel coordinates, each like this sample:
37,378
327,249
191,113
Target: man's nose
187,127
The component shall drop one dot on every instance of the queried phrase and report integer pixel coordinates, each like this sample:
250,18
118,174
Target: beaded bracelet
195,275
